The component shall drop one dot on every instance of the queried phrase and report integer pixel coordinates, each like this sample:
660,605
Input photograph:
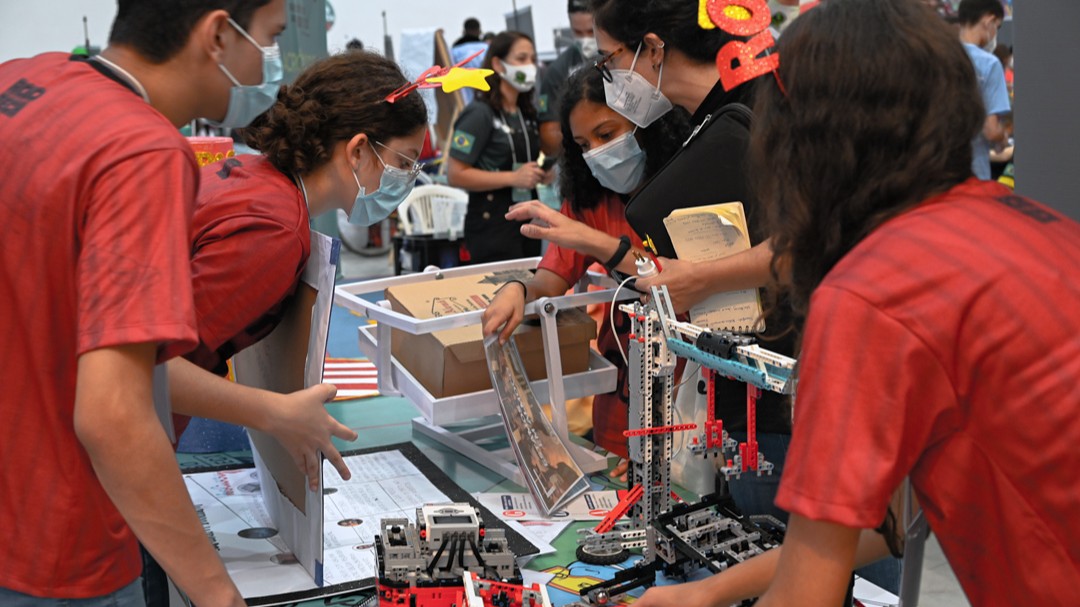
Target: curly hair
500,47
334,100
857,140
660,141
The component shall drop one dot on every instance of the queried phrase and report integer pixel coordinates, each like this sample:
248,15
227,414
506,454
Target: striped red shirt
252,242
98,195
946,346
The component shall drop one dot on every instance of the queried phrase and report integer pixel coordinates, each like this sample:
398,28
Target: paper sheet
708,233
384,485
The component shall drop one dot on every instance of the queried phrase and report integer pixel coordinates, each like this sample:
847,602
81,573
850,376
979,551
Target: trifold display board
387,482
290,359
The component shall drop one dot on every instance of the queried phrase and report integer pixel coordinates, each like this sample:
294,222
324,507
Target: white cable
611,320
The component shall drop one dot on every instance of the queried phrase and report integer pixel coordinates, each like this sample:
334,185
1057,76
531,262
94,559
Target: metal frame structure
437,414
678,538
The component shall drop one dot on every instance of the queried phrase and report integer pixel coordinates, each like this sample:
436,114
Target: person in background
96,280
967,368
605,160
464,48
554,78
354,45
979,22
493,152
470,32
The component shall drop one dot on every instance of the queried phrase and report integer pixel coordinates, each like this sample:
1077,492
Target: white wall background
29,27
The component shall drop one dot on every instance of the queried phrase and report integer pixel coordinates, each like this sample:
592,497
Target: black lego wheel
606,557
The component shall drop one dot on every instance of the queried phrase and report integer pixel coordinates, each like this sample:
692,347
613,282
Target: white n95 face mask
521,77
589,48
631,95
247,102
619,164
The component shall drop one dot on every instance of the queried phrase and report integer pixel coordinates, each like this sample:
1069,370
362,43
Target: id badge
520,194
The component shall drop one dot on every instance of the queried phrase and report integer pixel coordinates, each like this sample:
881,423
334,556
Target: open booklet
550,472
708,233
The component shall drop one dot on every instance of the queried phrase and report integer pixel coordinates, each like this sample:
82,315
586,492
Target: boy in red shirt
939,316
97,283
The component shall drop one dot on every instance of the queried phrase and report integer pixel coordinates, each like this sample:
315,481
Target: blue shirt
995,96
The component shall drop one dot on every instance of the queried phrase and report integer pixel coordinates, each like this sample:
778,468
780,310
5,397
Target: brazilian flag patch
543,104
462,141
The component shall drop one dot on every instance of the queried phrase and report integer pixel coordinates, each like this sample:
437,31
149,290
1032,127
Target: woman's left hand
550,225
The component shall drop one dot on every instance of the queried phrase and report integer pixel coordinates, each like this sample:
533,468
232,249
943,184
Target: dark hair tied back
334,100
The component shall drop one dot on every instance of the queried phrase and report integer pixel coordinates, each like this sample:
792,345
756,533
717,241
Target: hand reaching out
550,225
505,311
301,423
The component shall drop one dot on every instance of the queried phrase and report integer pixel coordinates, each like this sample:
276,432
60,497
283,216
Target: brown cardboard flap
452,362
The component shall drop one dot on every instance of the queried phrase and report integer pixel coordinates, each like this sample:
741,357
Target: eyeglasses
416,165
601,64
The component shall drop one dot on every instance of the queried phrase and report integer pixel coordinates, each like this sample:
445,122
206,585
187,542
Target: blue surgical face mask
619,164
631,95
246,102
395,185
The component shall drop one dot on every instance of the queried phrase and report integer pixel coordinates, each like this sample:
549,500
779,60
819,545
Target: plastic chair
432,209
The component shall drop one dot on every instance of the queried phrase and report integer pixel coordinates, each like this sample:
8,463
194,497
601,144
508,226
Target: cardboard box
452,362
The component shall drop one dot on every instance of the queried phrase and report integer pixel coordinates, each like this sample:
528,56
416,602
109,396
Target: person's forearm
746,270
131,455
994,129
197,392
751,578
478,180
602,246
545,283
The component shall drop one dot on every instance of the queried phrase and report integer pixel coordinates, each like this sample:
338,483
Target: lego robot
678,538
447,558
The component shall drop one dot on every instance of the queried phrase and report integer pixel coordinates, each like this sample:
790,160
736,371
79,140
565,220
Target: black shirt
465,39
495,141
554,80
711,168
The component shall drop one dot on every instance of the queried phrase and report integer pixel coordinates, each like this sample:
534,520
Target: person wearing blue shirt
979,22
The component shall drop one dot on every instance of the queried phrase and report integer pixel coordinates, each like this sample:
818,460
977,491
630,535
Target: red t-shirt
946,346
609,410
252,241
98,195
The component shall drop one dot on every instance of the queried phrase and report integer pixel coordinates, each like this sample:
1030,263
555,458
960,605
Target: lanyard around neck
510,136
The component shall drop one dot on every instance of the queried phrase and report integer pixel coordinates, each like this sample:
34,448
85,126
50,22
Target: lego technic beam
730,354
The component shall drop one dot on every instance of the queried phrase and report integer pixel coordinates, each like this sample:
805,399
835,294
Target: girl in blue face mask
329,142
605,159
